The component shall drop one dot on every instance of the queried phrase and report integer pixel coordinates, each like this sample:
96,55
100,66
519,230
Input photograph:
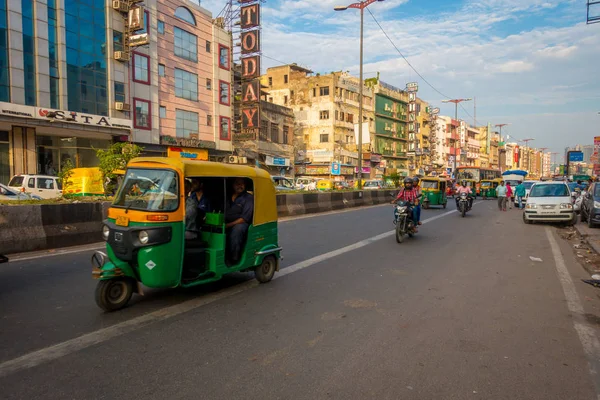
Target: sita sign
250,25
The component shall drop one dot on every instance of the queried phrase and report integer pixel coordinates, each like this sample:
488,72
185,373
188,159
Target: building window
350,118
117,41
223,57
337,115
146,28
342,115
209,120
324,114
186,44
324,91
54,90
324,138
142,117
52,53
224,93
29,51
208,84
4,78
286,134
285,79
186,123
161,27
141,68
270,99
270,81
208,47
161,70
274,133
264,126
185,15
162,112
119,89
285,100
224,128
186,85
291,93
314,92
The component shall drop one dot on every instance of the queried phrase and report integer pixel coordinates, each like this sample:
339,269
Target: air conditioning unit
232,159
388,128
121,55
120,5
120,106
243,160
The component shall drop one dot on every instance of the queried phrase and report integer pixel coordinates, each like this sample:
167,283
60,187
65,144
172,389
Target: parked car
44,186
590,205
306,183
341,185
7,193
282,183
550,202
373,185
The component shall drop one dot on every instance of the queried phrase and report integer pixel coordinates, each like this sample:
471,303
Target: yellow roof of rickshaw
433,178
207,168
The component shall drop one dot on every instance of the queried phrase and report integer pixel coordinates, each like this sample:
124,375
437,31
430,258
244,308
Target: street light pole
361,6
456,102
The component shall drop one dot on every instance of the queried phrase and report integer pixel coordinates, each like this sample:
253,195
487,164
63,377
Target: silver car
7,193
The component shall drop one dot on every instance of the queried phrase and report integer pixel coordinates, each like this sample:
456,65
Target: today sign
250,60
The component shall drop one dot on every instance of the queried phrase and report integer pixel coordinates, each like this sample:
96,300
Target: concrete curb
41,227
592,236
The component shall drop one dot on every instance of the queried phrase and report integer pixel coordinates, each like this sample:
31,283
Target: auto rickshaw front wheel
113,294
265,271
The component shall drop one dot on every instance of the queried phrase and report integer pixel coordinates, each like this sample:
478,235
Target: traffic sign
576,156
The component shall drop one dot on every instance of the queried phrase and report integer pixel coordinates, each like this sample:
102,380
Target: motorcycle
463,204
404,223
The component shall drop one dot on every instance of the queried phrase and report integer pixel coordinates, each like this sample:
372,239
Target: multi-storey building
76,76
472,145
326,111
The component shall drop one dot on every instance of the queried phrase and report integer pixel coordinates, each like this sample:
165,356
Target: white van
44,186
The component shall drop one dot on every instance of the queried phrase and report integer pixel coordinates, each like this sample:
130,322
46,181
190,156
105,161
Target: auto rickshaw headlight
105,232
143,236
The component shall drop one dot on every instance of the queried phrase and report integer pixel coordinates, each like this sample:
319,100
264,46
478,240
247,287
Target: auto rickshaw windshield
148,190
429,184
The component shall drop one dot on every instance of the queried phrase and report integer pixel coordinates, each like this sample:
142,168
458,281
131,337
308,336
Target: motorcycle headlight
401,209
530,205
105,232
567,206
596,204
143,236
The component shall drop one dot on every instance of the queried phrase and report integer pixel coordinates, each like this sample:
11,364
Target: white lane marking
313,215
587,335
59,350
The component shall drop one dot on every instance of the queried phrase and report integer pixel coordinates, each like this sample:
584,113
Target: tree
115,158
66,171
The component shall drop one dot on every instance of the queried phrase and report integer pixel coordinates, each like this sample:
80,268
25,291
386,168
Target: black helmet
416,180
463,182
408,180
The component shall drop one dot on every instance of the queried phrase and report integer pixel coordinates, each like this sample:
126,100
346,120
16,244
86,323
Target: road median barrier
32,227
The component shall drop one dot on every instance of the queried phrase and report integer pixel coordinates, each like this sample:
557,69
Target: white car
549,202
282,183
9,194
44,186
528,185
373,185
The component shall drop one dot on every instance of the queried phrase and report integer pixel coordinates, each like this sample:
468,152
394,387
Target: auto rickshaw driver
238,217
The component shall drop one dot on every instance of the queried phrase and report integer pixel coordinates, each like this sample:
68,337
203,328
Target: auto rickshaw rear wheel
265,271
444,205
113,294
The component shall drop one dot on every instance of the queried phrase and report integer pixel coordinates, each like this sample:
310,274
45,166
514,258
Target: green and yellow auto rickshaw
487,189
433,190
146,239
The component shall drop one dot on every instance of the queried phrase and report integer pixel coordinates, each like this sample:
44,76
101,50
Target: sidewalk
592,236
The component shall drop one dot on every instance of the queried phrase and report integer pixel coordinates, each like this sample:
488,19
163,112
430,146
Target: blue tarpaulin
515,172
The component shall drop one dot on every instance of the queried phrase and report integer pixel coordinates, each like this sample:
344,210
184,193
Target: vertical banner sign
250,60
488,139
412,89
596,155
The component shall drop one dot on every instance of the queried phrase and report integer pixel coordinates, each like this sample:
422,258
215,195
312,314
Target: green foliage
66,171
115,158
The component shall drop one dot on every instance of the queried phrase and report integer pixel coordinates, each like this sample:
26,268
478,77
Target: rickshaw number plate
122,221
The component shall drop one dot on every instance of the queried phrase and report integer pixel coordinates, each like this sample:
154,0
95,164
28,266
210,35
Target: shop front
35,140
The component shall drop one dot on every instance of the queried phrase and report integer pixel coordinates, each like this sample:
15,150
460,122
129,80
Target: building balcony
344,124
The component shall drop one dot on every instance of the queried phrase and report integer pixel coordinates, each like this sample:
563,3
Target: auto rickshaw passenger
238,217
199,195
191,213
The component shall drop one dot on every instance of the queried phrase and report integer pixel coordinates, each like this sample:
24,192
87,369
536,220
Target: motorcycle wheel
399,230
463,211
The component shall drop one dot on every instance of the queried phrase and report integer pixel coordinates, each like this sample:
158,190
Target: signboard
366,135
186,142
412,87
335,169
576,156
435,111
71,117
277,161
596,155
188,153
250,60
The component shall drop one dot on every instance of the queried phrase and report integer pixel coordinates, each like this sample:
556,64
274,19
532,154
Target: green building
391,132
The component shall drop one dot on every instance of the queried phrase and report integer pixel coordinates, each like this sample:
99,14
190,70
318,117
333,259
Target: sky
529,63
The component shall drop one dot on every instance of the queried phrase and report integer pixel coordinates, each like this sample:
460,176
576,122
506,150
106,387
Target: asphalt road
458,312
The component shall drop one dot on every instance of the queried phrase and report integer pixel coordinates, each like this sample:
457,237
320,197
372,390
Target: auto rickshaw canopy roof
433,179
265,202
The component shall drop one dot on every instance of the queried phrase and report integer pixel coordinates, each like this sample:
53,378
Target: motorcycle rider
463,188
409,194
418,206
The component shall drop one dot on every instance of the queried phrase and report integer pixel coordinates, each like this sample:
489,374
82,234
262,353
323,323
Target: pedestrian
520,192
509,195
501,193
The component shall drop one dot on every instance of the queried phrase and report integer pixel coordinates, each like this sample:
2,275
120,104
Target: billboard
576,156
250,60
